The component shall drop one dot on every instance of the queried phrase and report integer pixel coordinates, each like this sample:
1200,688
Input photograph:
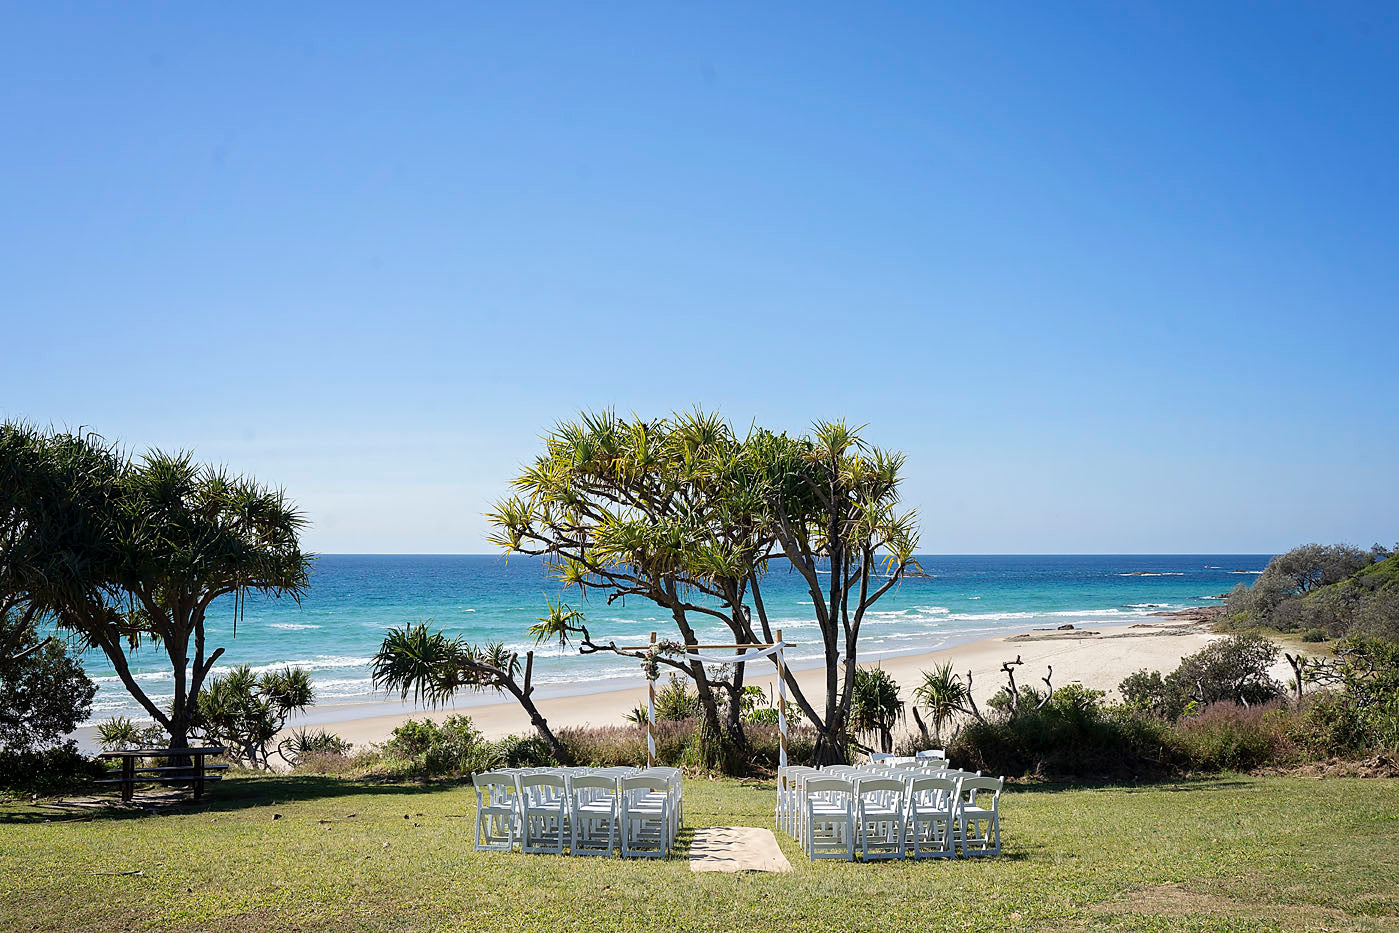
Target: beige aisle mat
736,848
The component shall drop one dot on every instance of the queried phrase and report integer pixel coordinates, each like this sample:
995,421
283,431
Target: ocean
353,598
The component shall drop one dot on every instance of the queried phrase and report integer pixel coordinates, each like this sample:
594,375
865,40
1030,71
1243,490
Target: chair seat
978,813
604,809
879,813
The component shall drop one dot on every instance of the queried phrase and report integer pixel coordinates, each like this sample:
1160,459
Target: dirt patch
1377,766
1173,900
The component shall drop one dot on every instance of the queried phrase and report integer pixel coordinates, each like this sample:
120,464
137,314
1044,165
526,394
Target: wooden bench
195,773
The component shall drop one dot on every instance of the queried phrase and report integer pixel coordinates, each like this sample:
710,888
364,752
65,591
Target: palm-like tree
875,706
432,667
943,694
131,553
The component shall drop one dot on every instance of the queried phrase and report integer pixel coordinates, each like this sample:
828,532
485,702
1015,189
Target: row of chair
586,811
921,809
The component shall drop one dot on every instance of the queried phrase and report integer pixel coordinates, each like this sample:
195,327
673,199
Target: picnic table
196,772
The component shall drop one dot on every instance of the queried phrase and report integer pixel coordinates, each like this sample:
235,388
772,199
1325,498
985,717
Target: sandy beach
1098,657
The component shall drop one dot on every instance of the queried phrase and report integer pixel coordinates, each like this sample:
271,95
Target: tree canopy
688,514
130,553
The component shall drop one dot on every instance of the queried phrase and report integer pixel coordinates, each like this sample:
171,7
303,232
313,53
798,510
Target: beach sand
1097,657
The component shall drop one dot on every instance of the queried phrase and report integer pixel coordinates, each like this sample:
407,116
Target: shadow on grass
1172,785
234,794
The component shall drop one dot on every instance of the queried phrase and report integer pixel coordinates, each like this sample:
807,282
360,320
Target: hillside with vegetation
1323,592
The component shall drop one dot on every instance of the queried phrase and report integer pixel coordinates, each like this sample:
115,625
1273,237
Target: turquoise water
355,597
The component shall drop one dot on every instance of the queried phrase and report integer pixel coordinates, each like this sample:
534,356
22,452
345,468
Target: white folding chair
543,812
676,792
879,815
932,817
829,818
497,812
932,753
795,801
646,820
594,812
979,824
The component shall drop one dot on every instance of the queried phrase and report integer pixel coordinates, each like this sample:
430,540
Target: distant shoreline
1098,656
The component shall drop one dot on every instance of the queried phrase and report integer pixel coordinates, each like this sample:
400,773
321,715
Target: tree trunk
556,748
720,748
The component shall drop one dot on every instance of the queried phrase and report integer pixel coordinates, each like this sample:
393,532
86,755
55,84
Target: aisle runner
736,848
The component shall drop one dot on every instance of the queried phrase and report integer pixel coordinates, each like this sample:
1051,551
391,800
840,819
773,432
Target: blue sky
1117,277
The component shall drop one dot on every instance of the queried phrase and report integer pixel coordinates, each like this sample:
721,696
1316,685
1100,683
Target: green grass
1235,853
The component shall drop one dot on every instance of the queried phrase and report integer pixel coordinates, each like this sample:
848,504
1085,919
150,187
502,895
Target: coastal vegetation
433,667
1323,592
686,514
320,853
129,553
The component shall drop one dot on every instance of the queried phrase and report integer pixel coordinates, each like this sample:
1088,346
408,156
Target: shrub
43,696
303,742
676,745
1361,712
1074,735
120,733
1148,692
48,771
452,748
524,751
246,712
1234,668
1314,635
1229,737
763,716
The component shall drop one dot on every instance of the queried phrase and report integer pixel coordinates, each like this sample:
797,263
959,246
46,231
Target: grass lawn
1233,853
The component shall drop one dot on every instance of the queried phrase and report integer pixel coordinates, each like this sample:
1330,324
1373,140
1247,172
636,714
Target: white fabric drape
750,655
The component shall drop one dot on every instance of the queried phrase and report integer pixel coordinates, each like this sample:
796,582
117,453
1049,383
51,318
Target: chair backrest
493,786
871,785
594,782
972,785
541,780
645,782
932,753
880,756
824,785
933,784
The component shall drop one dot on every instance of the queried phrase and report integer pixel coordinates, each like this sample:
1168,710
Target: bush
1360,714
1314,635
677,745
1235,669
120,733
1074,735
450,749
304,742
48,771
1229,737
1148,692
43,696
524,751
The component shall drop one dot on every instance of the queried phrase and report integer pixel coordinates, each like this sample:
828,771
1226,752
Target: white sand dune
1096,657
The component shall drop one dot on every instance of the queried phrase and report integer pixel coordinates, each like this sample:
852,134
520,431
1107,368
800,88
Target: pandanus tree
433,668
683,512
945,696
875,707
131,554
245,711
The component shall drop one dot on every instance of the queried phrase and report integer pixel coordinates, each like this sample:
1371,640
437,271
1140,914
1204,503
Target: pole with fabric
781,705
651,707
